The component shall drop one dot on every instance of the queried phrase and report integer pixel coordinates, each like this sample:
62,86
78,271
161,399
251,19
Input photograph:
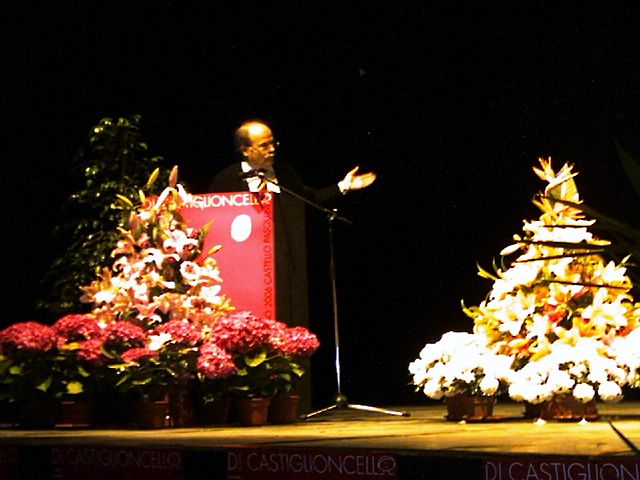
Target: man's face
261,153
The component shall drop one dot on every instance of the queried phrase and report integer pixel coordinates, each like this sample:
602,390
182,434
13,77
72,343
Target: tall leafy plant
114,162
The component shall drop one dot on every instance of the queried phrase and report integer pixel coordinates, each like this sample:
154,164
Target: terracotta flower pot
252,411
283,409
37,414
569,409
469,407
152,413
181,410
76,413
215,412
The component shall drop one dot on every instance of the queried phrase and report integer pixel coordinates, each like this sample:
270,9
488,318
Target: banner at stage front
243,226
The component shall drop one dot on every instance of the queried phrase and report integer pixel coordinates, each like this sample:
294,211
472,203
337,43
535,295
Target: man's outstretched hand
353,181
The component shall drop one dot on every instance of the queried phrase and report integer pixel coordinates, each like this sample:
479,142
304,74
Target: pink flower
124,333
241,332
181,331
215,362
138,354
77,327
294,341
90,351
27,337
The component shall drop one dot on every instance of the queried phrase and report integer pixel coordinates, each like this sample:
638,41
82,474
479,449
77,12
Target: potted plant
81,363
29,372
462,369
290,349
564,384
269,358
158,371
214,368
560,297
114,160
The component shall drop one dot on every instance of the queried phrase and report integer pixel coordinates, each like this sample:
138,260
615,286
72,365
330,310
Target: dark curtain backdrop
450,102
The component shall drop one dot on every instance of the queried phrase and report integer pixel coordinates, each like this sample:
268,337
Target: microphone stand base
342,403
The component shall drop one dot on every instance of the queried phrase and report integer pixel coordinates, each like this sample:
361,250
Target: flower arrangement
27,351
159,273
460,363
560,310
159,324
163,361
214,366
159,299
268,355
80,356
51,362
580,370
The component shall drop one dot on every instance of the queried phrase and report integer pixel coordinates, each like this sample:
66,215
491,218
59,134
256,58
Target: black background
451,103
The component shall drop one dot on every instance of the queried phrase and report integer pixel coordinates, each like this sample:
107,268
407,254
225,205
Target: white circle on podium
241,228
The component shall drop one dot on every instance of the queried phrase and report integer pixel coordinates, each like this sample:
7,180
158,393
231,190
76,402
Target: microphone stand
341,400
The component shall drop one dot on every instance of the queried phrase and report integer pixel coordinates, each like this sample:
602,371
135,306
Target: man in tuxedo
258,170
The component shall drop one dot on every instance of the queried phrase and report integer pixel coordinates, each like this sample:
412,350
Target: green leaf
44,386
631,167
256,360
74,388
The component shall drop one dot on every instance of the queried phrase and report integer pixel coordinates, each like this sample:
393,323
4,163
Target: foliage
269,356
114,160
165,362
159,273
39,362
159,323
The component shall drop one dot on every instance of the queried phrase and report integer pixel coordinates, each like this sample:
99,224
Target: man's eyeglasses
267,145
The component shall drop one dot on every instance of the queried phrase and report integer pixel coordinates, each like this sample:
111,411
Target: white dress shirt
257,184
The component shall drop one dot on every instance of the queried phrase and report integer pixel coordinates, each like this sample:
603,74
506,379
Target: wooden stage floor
425,439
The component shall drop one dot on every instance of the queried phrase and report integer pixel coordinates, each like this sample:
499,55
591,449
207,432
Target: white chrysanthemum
459,362
610,392
560,381
489,385
584,392
418,369
433,389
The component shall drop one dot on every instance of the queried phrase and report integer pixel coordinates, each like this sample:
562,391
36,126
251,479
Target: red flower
556,313
124,333
77,327
241,332
90,351
27,337
215,362
138,354
294,341
181,331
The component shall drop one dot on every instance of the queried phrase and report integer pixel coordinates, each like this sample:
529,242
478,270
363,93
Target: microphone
256,172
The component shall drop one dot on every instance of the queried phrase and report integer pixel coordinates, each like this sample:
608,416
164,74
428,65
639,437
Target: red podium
243,226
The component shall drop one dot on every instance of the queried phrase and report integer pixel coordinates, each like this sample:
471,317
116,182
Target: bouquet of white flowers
460,363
